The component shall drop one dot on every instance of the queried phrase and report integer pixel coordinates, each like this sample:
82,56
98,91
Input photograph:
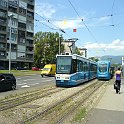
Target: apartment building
21,24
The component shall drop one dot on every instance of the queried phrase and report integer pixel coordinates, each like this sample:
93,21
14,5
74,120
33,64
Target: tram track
26,97
52,108
79,103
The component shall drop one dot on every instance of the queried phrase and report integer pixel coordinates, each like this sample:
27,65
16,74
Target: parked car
2,68
7,82
20,68
35,69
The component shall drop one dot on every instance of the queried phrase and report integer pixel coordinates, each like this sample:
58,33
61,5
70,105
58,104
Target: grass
80,115
21,72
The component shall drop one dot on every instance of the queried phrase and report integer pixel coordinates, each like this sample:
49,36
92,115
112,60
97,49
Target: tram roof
75,56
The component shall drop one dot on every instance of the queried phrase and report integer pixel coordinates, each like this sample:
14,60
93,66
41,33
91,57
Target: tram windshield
63,65
102,67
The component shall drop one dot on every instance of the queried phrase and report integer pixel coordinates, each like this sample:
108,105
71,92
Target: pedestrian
122,71
118,80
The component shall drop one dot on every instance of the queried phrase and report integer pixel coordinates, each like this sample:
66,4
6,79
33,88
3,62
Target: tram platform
110,109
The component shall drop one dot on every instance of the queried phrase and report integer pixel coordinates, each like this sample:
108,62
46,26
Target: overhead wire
87,26
83,21
112,10
59,29
56,27
112,14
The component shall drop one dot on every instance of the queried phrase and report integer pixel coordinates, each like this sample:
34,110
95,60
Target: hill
114,59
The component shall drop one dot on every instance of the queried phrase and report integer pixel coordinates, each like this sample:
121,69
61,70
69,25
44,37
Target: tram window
74,66
79,66
103,67
85,66
64,65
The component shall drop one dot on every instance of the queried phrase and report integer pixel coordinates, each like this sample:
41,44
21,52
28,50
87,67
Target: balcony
3,32
2,49
3,15
21,40
3,7
29,44
30,52
30,2
21,26
21,58
3,40
29,59
2,57
12,4
31,18
30,15
3,22
30,8
29,37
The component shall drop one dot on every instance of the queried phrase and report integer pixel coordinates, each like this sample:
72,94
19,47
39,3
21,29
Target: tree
77,51
94,59
46,48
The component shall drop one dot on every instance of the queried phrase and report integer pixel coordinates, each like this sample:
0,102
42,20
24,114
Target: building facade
21,34
69,46
83,52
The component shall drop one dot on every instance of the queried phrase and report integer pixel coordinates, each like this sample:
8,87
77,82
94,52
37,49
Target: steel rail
7,104
44,112
62,118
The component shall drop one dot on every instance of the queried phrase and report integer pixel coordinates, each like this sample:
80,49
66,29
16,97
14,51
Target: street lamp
72,46
60,44
10,24
60,36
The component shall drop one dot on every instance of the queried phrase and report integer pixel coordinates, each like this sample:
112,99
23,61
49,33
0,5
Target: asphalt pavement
110,109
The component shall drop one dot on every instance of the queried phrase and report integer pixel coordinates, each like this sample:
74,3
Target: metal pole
59,45
10,23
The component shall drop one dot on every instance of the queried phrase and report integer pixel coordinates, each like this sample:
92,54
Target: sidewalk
110,109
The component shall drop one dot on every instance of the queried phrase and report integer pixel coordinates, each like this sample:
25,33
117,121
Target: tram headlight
58,77
67,78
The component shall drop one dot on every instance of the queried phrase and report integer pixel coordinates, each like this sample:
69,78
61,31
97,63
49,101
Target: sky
99,24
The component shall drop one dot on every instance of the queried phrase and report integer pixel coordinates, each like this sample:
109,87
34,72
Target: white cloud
45,10
115,45
77,23
70,24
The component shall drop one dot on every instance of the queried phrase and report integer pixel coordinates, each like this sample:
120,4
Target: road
32,81
28,83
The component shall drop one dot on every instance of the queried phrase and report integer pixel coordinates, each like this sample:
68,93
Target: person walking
118,80
122,71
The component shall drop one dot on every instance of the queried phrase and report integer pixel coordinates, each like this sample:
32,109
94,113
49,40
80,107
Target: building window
2,45
13,30
3,3
21,25
2,53
22,11
2,36
2,14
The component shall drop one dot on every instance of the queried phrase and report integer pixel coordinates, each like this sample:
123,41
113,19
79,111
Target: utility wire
82,21
51,24
112,10
46,25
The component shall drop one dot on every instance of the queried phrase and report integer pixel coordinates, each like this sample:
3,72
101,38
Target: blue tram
72,70
104,70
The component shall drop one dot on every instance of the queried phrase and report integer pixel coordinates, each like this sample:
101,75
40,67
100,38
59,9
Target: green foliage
77,51
46,48
80,115
94,59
